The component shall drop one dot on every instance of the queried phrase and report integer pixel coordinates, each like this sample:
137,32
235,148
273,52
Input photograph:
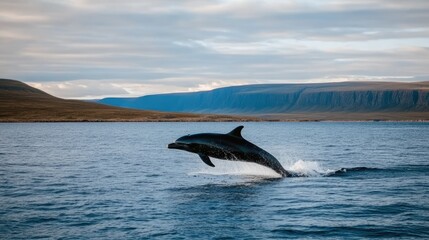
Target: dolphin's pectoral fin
236,132
206,160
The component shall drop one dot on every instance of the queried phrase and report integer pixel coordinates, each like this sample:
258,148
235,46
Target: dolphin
231,146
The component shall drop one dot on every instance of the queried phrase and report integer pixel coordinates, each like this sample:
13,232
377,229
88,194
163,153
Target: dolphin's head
184,143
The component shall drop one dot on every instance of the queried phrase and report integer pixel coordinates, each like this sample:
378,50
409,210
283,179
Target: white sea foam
300,168
308,168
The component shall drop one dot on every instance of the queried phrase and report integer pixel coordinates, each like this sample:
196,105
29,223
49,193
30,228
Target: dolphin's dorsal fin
236,132
206,160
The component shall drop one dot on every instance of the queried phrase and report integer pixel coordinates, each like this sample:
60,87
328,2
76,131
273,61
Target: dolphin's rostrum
231,146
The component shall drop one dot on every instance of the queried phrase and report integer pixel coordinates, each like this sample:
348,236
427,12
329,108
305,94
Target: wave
314,169
344,171
303,168
299,168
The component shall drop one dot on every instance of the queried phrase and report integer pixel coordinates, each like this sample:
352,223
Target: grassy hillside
22,103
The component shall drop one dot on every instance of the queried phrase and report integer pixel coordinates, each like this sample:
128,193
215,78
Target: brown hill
22,103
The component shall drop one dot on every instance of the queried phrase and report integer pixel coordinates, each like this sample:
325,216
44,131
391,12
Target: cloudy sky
95,48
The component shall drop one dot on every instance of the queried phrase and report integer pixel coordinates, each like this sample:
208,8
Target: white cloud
80,89
357,78
287,46
96,89
93,48
217,84
17,17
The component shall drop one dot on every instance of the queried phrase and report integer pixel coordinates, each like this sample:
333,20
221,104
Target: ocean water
119,180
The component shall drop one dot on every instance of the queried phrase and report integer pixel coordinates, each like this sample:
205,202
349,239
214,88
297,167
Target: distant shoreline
201,121
22,103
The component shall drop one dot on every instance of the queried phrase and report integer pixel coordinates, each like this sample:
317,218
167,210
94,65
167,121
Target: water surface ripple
118,180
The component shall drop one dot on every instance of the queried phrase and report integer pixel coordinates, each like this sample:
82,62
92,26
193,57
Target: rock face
290,98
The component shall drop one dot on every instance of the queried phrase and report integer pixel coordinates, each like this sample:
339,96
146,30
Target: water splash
308,169
300,168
